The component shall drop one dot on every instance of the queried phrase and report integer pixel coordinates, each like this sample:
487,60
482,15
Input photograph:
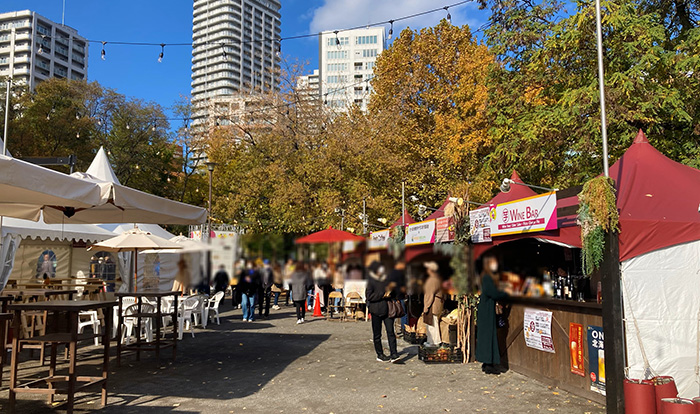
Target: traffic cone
317,307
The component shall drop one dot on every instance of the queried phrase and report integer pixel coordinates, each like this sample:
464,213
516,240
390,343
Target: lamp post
210,167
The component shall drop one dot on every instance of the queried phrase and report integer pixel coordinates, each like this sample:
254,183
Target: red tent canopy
441,211
658,200
406,217
516,191
329,235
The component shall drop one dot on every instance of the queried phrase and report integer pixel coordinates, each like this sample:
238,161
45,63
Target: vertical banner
576,348
537,328
596,359
480,225
444,230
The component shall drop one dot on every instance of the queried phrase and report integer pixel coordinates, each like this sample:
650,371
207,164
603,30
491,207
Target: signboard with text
527,215
537,328
576,348
480,225
378,240
444,230
596,358
422,232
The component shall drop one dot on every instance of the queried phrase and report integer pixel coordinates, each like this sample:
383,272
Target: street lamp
210,167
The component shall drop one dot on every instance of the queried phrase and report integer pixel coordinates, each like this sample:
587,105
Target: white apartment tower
346,62
40,49
235,47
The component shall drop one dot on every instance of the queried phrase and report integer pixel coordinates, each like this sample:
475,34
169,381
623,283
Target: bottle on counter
547,285
567,286
558,288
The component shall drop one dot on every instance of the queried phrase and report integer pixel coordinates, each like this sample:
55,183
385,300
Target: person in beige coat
433,303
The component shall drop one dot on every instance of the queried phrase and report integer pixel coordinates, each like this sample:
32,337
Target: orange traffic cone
317,307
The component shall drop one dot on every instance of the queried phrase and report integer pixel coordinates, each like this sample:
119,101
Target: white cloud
341,14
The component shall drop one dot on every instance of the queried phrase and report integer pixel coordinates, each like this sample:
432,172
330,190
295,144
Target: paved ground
276,366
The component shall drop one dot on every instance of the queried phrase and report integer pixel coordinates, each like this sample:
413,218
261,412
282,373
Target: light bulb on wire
103,53
449,16
162,51
391,29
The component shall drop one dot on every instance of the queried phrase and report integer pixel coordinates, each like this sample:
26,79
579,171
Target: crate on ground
414,338
433,354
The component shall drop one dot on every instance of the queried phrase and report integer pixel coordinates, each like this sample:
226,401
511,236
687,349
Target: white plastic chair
211,308
126,302
184,315
197,308
131,321
92,321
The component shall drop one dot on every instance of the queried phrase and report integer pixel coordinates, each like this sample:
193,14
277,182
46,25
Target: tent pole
136,269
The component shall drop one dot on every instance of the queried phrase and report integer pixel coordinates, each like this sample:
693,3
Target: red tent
407,219
658,200
441,211
329,235
516,192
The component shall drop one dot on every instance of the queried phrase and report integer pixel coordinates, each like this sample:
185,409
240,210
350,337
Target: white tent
122,204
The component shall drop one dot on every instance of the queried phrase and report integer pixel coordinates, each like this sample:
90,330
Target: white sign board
537,328
527,215
378,240
422,232
480,225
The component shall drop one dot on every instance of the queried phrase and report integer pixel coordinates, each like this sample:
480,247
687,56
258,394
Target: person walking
249,290
379,290
433,303
221,280
300,283
265,289
398,276
487,351
277,285
288,270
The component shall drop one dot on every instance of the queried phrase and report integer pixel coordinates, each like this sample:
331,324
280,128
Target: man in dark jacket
379,291
221,280
265,291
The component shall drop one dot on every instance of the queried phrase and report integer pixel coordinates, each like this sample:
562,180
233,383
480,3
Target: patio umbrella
329,235
188,246
133,240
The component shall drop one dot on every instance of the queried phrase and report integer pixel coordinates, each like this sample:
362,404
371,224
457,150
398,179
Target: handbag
395,309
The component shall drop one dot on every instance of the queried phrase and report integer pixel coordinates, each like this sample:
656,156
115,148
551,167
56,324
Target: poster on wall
480,225
527,215
378,240
422,232
537,328
596,358
444,230
576,348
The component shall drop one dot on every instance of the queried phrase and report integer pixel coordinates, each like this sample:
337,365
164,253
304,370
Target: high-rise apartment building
42,49
309,85
346,62
235,47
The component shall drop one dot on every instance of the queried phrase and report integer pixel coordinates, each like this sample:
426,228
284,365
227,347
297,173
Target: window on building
369,53
46,265
366,40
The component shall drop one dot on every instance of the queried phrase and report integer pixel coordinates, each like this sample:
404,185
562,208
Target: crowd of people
260,284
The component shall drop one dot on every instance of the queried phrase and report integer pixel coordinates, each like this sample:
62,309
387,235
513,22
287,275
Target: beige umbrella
133,240
188,246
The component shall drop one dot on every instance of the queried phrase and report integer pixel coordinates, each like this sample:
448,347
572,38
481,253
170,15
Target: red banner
576,348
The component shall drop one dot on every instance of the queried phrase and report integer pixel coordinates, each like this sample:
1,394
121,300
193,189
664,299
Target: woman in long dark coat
486,329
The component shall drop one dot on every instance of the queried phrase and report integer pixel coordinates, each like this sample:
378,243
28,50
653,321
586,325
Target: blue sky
134,70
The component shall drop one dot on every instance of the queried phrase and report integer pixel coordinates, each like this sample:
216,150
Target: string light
41,45
223,52
449,16
337,41
391,29
127,126
278,52
77,134
102,53
162,51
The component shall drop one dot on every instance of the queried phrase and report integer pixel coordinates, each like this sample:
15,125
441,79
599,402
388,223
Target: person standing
379,290
487,351
433,303
300,283
249,291
265,287
398,276
277,285
288,270
221,280
320,281
339,283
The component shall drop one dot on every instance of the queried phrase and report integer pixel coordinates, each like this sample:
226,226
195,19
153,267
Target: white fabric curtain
10,243
125,270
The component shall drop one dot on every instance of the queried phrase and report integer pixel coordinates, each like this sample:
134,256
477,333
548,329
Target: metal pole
7,94
601,83
209,267
403,205
364,216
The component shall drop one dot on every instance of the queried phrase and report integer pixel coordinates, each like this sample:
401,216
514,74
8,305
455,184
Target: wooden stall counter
552,368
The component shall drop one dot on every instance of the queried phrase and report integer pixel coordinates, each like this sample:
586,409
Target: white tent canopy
42,231
27,188
121,204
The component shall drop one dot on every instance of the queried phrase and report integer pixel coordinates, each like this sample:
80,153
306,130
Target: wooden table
5,318
160,343
68,311
19,294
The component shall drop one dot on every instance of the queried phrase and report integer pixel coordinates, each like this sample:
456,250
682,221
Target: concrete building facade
235,47
41,49
346,62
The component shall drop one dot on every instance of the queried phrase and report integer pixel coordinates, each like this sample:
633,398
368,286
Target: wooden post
613,326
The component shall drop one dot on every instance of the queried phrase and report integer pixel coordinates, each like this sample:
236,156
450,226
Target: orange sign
576,348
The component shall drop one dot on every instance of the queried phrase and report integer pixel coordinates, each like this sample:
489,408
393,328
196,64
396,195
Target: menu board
537,328
480,225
